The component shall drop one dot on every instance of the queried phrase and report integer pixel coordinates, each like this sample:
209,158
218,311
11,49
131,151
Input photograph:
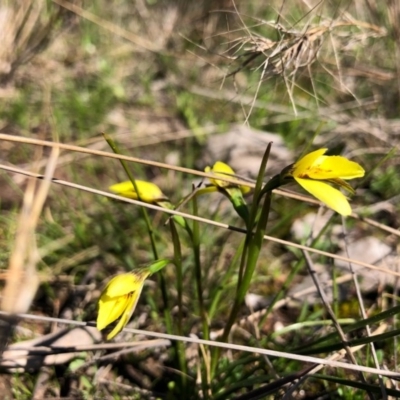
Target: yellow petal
117,296
224,170
301,167
330,167
244,189
148,191
110,310
129,309
207,189
220,166
333,198
125,283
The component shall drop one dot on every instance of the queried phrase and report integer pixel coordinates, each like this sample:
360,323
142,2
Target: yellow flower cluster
313,172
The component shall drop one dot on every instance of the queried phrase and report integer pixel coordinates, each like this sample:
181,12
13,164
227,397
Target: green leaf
359,385
158,265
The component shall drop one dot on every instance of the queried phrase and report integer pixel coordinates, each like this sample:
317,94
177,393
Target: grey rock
243,148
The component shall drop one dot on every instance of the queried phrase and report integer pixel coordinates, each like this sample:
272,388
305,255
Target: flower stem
160,276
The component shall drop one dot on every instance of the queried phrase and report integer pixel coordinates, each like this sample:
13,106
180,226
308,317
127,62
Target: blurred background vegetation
165,79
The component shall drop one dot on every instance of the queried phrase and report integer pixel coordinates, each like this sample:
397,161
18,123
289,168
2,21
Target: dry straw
26,28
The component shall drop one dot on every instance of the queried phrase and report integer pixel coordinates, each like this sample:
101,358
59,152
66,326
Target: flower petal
129,309
110,310
224,170
333,198
330,167
148,191
117,296
302,166
125,283
207,189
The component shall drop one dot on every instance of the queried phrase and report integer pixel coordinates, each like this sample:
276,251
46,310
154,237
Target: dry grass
27,29
313,38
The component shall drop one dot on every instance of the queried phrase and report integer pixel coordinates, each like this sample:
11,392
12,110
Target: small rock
372,251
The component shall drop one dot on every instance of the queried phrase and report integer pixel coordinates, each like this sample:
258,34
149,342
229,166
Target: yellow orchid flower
148,191
119,299
120,296
315,167
222,170
233,191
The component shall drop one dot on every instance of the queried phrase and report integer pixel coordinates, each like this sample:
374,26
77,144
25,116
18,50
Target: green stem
197,270
160,276
255,213
150,231
250,253
249,259
179,274
254,210
216,295
199,290
254,249
180,348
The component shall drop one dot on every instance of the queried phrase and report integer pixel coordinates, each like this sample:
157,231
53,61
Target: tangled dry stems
27,27
297,48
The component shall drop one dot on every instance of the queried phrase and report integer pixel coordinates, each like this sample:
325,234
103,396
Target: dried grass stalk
22,278
26,28
297,48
